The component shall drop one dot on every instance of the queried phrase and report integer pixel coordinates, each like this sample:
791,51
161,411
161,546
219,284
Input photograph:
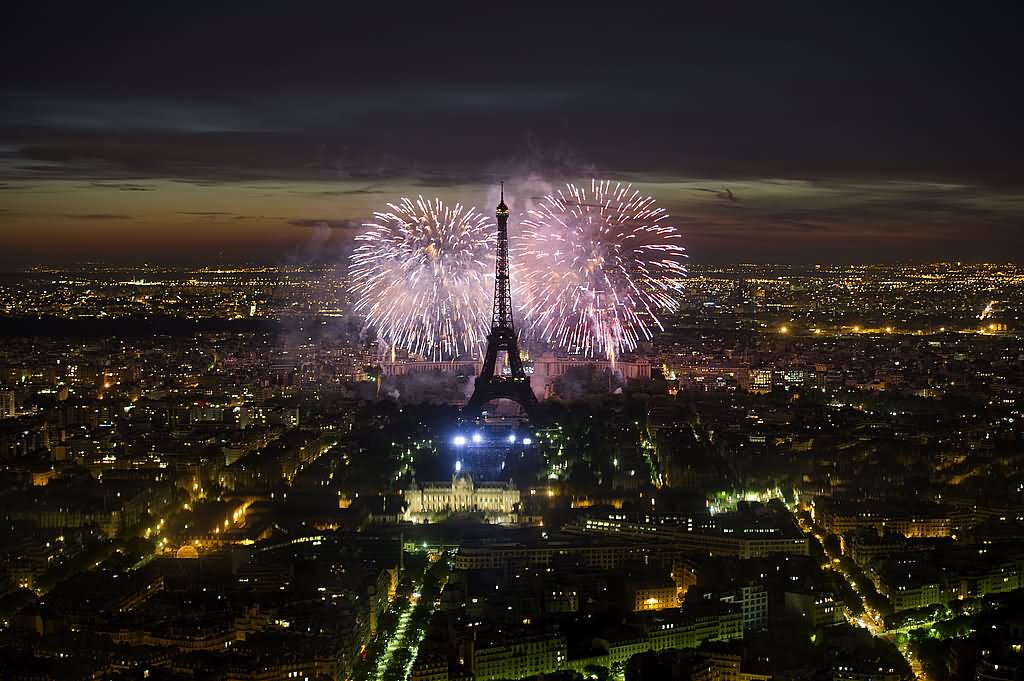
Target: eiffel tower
515,385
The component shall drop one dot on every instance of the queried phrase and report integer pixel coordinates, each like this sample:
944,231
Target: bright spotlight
527,441
476,438
512,438
459,440
458,466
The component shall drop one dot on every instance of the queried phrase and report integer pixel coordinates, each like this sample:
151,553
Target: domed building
499,501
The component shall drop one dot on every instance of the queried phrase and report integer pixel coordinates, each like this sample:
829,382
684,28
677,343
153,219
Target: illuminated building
596,555
865,670
497,499
756,542
456,368
818,609
652,595
690,626
430,668
548,367
911,594
753,602
7,406
760,380
519,657
839,517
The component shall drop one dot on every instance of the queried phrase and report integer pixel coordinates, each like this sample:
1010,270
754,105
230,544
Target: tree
833,547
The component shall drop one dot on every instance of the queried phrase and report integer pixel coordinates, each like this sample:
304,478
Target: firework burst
594,267
422,274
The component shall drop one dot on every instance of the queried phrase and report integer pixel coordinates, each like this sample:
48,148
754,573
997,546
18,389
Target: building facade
500,500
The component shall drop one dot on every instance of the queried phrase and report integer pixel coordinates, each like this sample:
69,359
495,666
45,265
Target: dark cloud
325,223
369,190
97,216
718,109
124,186
725,193
219,215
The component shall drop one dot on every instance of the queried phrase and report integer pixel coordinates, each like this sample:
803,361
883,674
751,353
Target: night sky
238,133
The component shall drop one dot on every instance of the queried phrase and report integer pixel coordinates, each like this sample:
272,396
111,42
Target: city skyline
144,136
461,342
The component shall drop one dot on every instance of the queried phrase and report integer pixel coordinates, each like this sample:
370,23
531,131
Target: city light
242,471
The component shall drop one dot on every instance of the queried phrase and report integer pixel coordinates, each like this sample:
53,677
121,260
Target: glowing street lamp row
460,440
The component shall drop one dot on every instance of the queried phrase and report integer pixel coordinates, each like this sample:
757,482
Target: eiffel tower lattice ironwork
513,384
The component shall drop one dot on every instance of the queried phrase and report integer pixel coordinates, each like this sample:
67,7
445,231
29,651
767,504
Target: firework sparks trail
422,274
594,267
